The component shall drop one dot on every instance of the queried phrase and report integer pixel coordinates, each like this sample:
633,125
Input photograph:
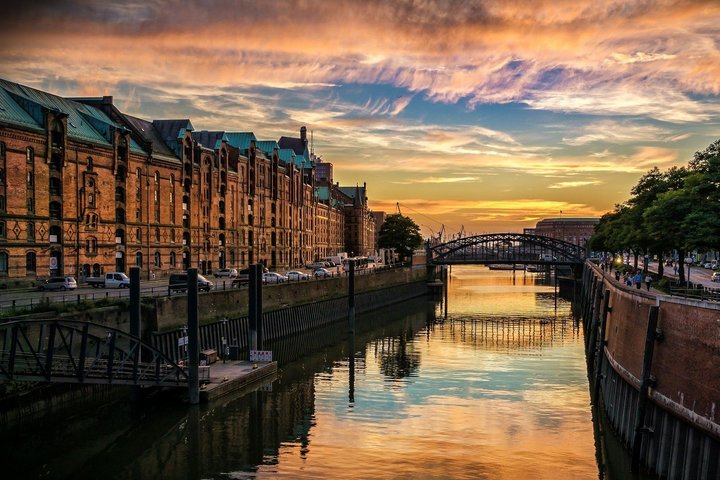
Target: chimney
107,100
303,134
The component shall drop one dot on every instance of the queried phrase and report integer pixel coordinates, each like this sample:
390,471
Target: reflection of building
85,188
573,230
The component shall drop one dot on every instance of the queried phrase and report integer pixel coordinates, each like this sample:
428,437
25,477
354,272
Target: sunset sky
484,115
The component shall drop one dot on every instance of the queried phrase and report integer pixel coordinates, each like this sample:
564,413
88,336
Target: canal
491,385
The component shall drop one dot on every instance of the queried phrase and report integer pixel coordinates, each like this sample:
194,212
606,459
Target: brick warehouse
85,188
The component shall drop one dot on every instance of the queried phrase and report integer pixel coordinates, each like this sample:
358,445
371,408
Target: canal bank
653,366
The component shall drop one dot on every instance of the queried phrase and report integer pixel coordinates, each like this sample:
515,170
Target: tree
401,233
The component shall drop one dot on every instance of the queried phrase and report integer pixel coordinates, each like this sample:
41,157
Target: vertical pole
644,386
252,307
193,336
446,280
135,301
259,306
351,297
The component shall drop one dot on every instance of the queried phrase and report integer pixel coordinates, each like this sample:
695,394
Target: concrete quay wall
655,364
171,312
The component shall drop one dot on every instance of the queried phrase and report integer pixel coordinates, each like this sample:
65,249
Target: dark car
178,283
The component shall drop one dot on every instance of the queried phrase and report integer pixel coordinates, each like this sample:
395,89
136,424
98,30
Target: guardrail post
351,296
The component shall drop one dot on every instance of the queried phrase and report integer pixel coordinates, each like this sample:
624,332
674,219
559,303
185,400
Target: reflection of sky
487,408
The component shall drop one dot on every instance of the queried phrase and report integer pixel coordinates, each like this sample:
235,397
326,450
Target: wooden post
193,337
351,296
650,337
252,307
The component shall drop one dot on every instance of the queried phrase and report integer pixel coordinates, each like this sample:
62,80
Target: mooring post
135,301
351,296
259,306
252,307
646,381
193,337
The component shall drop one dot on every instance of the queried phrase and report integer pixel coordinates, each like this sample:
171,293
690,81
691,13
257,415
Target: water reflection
497,390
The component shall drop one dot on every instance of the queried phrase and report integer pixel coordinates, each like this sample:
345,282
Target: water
497,390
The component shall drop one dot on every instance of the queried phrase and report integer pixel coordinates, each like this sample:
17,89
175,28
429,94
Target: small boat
502,266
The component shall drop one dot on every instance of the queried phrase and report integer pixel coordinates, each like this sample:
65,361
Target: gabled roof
286,155
173,130
356,193
13,113
267,146
240,140
296,144
33,102
211,140
150,135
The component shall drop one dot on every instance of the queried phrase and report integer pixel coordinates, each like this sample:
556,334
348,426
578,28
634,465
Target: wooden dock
233,376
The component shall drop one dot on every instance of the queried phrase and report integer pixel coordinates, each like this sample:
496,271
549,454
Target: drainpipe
78,216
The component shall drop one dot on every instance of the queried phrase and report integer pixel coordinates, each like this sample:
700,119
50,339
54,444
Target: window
30,205
158,263
173,260
138,259
2,203
3,263
31,231
157,235
91,246
89,164
30,262
29,155
91,221
2,176
138,234
2,150
172,235
2,229
30,180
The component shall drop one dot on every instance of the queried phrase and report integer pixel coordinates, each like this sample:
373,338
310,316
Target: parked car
316,265
296,276
242,278
274,277
707,265
57,283
109,279
178,283
715,277
322,273
226,272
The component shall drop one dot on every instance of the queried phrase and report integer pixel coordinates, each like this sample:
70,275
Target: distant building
573,230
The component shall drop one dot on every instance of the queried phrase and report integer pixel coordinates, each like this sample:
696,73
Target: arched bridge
506,248
81,352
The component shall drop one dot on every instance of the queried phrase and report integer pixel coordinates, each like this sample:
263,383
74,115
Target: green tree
401,233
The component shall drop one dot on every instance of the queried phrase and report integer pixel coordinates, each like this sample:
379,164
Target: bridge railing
81,352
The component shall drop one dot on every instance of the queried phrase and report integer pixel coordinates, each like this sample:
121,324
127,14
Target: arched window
91,246
138,259
30,263
158,263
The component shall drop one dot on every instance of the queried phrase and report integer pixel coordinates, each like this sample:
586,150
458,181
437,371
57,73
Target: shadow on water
163,439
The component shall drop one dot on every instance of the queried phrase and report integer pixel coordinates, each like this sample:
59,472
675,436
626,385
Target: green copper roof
11,112
267,146
287,155
322,193
240,140
33,101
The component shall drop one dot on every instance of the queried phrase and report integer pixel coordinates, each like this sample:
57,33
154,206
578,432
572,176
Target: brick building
573,230
85,188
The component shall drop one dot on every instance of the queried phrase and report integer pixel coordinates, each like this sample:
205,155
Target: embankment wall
655,363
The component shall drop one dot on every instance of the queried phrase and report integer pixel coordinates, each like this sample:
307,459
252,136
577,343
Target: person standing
638,280
648,281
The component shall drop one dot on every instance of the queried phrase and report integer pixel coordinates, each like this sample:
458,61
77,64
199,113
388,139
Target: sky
473,116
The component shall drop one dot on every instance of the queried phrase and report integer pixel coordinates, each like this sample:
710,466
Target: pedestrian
675,268
648,281
638,280
617,275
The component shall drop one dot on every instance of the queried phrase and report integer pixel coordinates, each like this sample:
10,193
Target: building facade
85,189
573,230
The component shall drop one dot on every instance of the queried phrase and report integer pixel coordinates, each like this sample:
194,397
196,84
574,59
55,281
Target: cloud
576,184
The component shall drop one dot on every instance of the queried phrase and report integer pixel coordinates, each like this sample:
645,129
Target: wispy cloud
579,183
